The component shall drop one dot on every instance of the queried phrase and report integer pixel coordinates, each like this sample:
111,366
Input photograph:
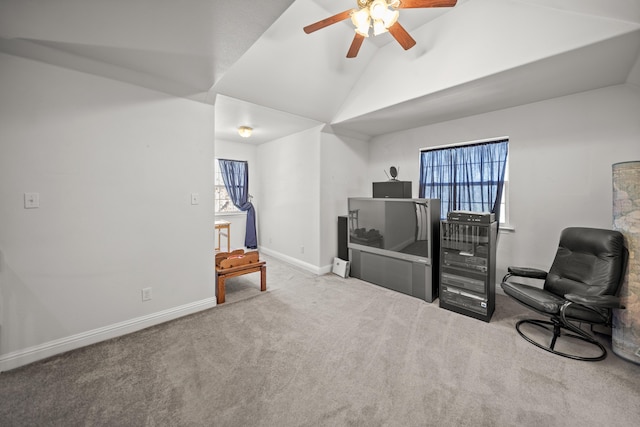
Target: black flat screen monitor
398,228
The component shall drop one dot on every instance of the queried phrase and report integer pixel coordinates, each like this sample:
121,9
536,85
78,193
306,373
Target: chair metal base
556,327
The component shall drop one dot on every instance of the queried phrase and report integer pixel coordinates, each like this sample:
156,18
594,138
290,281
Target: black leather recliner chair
582,286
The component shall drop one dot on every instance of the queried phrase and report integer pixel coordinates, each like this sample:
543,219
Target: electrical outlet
31,200
146,294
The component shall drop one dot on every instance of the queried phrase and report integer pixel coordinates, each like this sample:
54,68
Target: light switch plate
195,198
31,200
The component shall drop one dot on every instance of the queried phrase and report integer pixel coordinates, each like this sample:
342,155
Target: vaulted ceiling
253,61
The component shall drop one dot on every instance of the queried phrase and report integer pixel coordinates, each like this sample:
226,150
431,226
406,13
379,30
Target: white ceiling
252,59
480,56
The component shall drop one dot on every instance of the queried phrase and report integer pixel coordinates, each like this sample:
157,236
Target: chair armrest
600,301
533,273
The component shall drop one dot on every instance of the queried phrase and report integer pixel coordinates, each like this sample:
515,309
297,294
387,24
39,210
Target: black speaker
343,236
392,189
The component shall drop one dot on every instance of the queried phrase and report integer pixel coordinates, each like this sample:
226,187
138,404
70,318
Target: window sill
223,214
507,228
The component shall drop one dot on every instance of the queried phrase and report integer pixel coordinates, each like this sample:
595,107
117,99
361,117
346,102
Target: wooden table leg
263,278
223,274
220,294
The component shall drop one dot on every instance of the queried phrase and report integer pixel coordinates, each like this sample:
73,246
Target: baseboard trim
33,354
326,269
293,261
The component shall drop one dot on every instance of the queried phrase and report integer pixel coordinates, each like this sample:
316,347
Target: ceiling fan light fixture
362,21
245,131
377,9
390,17
382,16
378,27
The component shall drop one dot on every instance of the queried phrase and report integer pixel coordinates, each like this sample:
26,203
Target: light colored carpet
322,351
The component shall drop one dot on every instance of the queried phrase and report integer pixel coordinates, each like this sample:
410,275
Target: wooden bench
222,273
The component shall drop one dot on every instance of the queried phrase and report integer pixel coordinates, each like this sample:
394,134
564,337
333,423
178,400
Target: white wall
304,182
343,169
115,166
238,151
561,152
289,188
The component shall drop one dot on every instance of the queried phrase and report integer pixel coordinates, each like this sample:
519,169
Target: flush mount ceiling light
382,16
245,131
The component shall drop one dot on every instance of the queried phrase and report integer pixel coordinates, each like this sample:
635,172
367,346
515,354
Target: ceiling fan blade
355,46
402,36
328,21
408,4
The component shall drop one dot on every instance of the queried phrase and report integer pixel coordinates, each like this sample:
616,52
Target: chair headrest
595,240
589,261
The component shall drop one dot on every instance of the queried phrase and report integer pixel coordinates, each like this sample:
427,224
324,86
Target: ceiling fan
382,16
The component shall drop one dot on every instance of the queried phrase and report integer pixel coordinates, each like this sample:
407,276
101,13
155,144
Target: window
466,177
223,203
